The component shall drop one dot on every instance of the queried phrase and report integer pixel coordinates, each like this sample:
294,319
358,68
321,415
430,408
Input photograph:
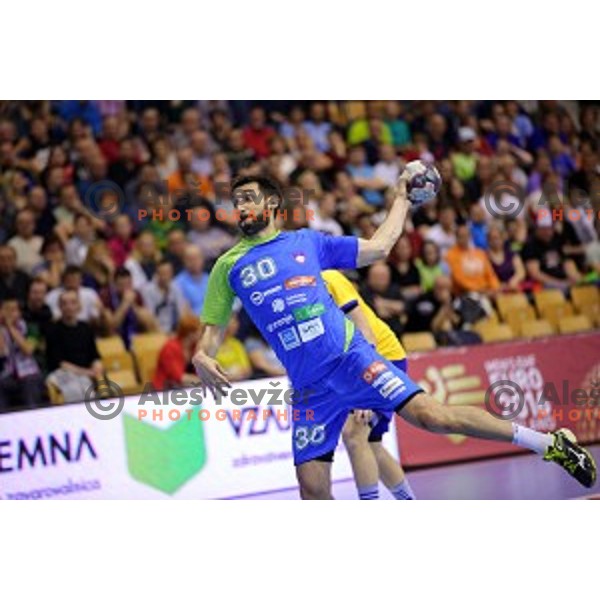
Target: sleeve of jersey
218,301
336,252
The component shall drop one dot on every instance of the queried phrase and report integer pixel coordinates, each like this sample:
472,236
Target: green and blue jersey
278,280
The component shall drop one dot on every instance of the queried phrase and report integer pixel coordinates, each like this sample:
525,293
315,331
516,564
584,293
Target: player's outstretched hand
210,373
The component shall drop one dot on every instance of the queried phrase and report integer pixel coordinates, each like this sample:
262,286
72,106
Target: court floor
525,477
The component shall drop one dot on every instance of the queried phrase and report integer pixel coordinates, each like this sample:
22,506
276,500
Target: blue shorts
361,380
381,421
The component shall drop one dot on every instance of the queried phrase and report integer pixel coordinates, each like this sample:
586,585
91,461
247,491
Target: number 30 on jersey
262,269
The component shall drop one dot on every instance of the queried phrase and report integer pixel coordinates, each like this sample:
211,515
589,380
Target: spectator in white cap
464,160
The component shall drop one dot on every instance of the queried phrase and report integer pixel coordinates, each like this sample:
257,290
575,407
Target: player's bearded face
254,208
253,221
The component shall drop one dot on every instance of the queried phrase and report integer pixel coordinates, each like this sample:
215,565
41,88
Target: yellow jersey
346,297
232,356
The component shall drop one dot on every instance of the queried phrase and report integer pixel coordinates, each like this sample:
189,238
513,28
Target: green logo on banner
165,459
308,312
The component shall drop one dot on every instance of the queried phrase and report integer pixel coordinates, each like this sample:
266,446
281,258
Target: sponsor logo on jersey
257,298
300,281
278,305
271,327
308,312
299,257
289,338
272,290
309,330
296,299
373,370
383,378
395,385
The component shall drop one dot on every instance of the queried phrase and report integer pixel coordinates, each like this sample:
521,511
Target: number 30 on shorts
314,435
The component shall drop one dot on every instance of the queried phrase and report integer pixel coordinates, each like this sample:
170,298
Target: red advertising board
559,378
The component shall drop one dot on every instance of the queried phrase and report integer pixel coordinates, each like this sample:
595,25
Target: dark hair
163,261
50,241
72,270
37,279
9,298
267,186
433,245
66,292
122,272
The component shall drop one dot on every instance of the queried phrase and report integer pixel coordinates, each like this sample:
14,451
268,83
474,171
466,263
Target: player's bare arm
360,320
387,234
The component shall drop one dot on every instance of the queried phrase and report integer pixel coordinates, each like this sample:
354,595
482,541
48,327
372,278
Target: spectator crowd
518,211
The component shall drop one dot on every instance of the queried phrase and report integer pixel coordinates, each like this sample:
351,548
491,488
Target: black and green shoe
573,458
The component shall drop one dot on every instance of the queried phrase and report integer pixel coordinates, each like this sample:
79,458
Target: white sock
531,439
368,492
403,491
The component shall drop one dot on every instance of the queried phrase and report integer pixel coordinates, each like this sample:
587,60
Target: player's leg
314,478
316,428
364,466
387,383
424,412
560,447
391,472
379,388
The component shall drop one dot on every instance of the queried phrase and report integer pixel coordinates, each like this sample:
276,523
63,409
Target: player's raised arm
383,240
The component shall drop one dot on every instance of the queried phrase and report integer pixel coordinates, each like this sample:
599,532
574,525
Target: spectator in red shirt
121,243
109,144
258,134
174,361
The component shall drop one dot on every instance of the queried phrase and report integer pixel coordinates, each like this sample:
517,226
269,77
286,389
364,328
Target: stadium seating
494,332
536,328
543,298
509,302
145,348
585,295
574,324
126,380
518,316
555,312
418,342
114,355
586,300
54,394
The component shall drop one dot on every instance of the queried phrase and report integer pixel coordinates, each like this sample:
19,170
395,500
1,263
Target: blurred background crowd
83,295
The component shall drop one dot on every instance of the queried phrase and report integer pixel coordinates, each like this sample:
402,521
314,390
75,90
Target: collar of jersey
259,240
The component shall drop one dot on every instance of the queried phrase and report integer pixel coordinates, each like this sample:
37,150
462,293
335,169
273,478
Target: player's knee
314,490
313,486
356,437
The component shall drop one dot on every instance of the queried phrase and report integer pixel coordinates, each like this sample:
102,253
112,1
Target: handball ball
424,182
